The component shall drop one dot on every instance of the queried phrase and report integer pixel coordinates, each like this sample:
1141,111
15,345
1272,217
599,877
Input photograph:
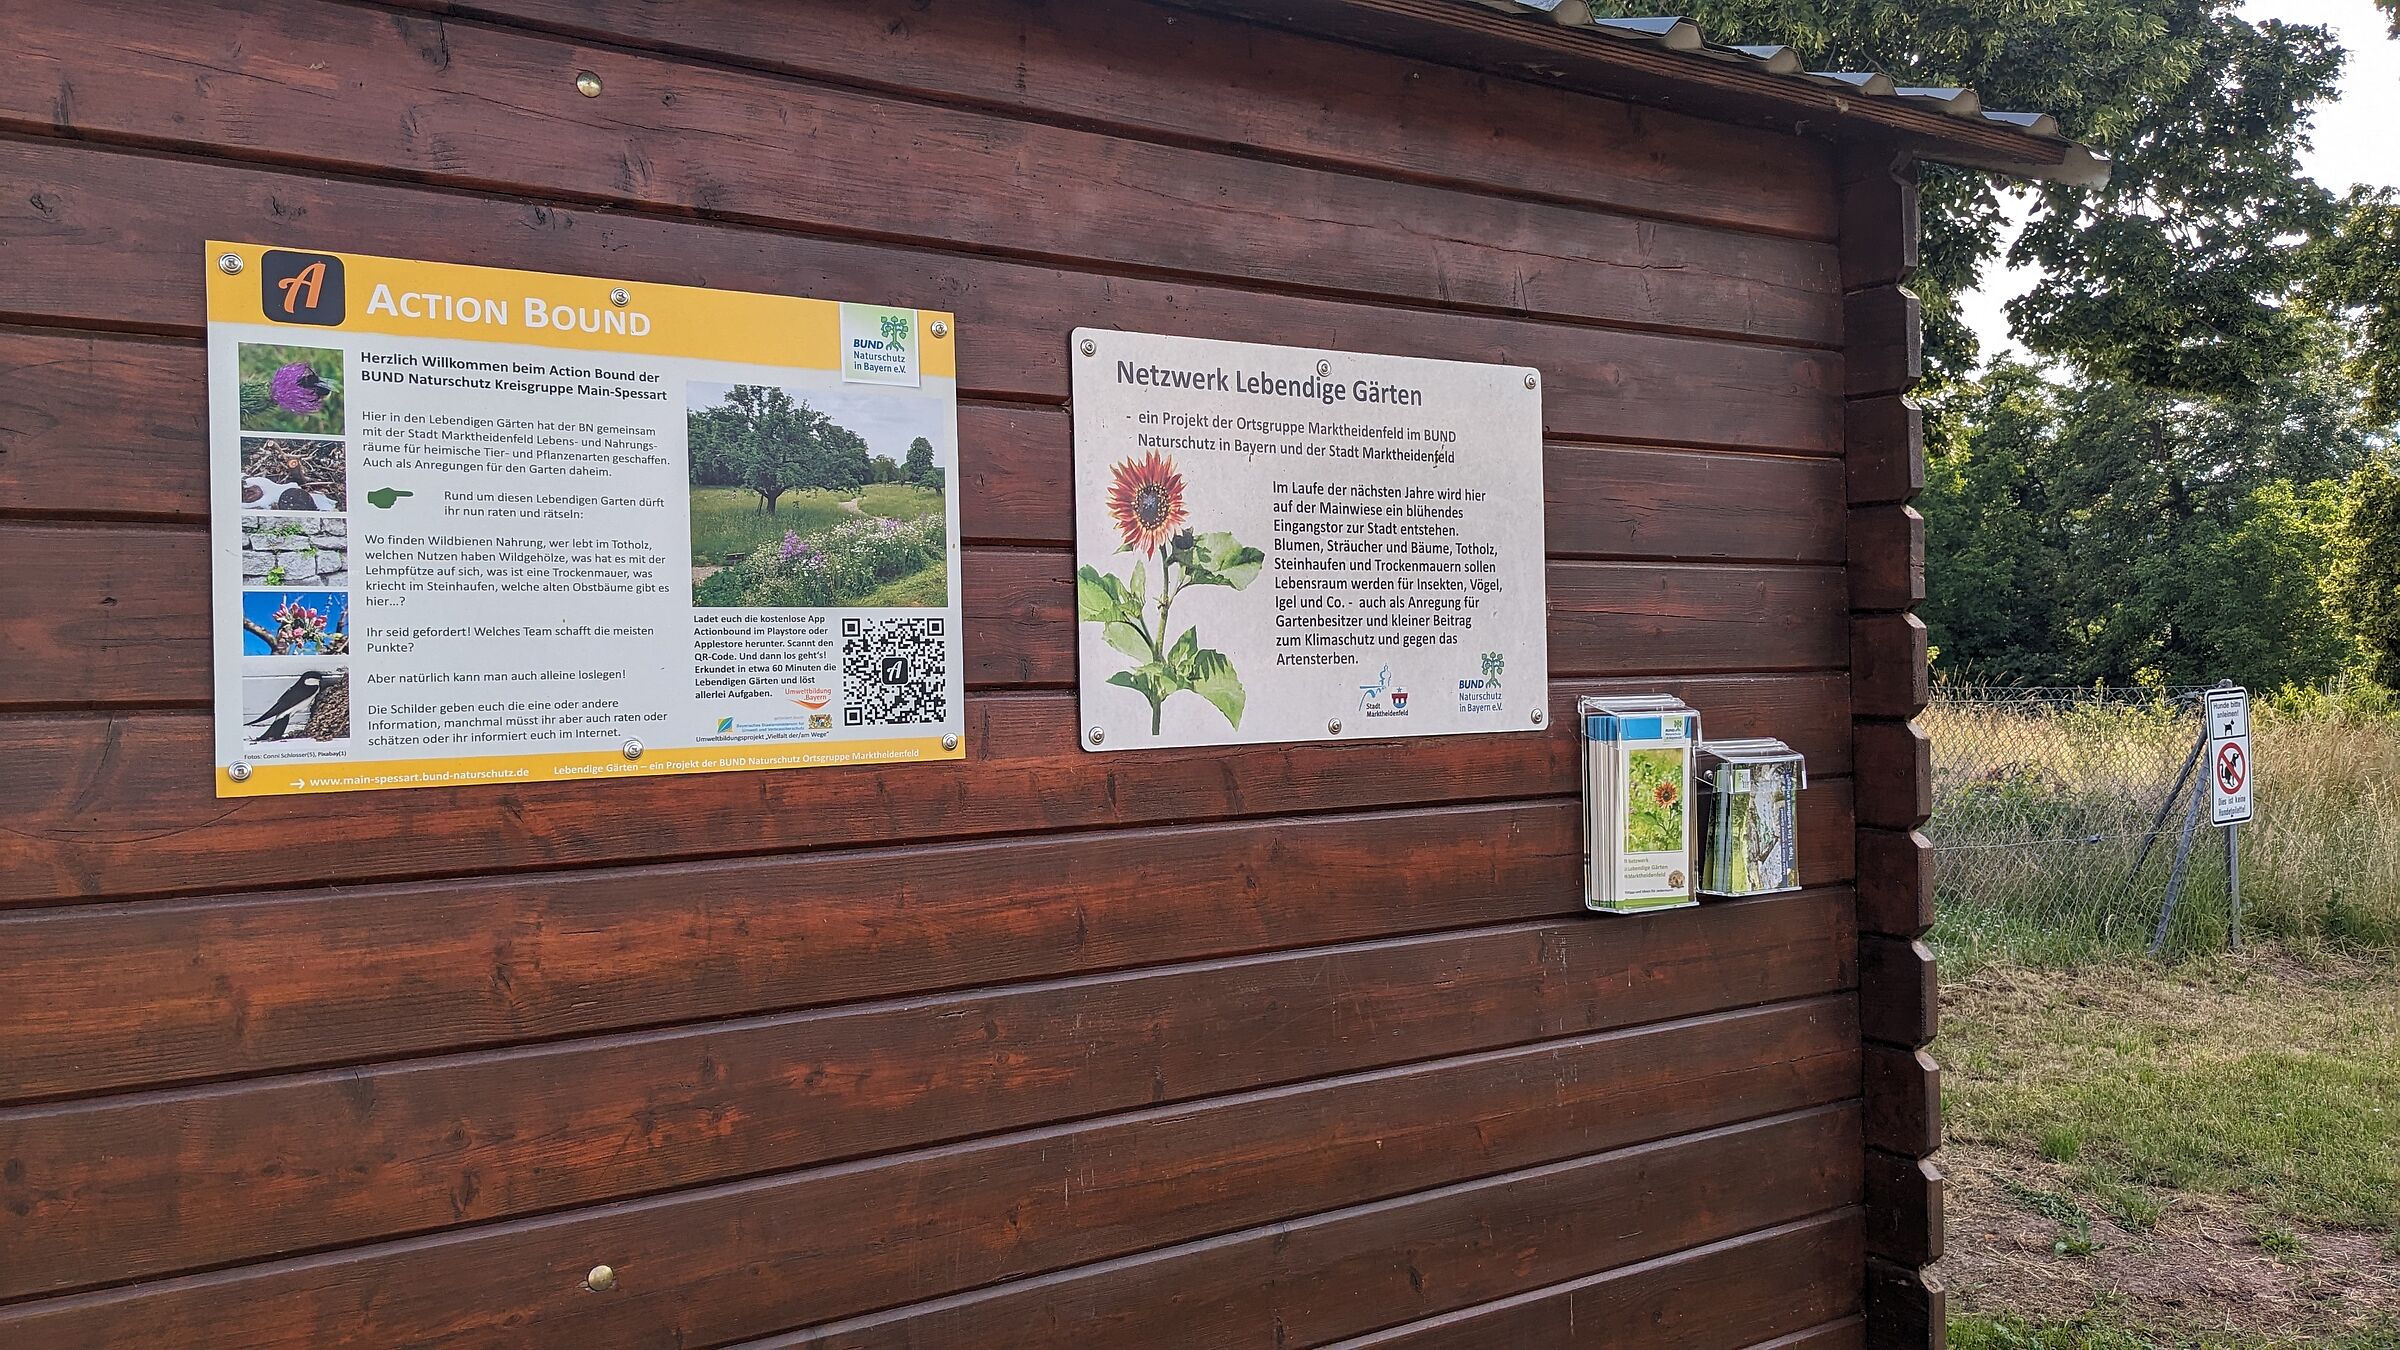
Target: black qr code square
895,672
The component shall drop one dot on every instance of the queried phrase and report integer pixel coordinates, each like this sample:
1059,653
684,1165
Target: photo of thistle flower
1147,508
1654,801
293,390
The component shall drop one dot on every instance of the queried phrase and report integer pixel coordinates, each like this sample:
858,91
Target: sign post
2231,781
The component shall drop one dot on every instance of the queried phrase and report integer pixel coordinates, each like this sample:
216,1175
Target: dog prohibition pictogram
2233,768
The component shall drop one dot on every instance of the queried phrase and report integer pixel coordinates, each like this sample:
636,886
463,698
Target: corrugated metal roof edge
2079,164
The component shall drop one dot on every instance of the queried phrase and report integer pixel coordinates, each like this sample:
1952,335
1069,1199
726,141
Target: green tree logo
1493,664
897,329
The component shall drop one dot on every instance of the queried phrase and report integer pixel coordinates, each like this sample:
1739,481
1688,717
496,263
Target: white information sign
1284,544
482,526
2229,756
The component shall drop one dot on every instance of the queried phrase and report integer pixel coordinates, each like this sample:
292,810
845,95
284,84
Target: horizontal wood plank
122,805
1890,675
1849,1333
1897,1000
751,1257
118,615
1895,882
80,450
1894,761
88,249
1903,1097
122,1189
1783,1280
1198,77
251,984
493,110
1906,1308
1317,1279
1903,1209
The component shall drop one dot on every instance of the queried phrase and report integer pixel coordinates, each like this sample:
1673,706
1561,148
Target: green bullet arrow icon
382,498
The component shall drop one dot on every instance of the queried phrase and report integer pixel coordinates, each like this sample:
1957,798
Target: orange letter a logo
301,288
307,279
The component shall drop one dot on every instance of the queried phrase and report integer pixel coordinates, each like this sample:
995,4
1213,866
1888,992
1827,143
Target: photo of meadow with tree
791,508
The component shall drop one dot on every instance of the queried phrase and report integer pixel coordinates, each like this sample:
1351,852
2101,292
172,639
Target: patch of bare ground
2199,1271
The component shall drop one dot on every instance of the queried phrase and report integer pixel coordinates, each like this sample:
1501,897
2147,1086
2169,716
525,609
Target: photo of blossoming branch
295,623
1145,503
292,390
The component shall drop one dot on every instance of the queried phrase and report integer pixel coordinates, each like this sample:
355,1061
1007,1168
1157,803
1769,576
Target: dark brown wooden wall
1275,1045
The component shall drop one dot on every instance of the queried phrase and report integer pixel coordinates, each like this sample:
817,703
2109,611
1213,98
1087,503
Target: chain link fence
2053,829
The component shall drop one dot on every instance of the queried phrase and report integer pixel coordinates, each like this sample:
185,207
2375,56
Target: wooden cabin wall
1277,1045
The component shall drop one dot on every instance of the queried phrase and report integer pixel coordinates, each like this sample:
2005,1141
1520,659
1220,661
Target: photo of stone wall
295,551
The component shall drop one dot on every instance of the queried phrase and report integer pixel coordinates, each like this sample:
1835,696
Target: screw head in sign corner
238,772
940,329
1324,367
601,1279
1097,736
620,297
587,84
1090,348
1334,727
950,742
229,263
1532,379
633,749
1537,717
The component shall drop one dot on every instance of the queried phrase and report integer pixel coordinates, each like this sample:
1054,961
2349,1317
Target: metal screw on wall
587,84
940,329
601,1279
949,742
1090,348
1334,727
1098,735
229,263
620,297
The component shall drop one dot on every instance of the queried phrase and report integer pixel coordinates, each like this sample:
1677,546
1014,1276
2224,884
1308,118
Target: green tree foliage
2097,531
883,469
919,468
2358,277
2174,275
2367,576
763,439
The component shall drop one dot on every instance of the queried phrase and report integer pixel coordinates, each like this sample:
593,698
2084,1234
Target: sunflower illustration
1665,794
1145,500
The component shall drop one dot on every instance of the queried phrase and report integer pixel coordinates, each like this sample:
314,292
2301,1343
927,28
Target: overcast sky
2356,140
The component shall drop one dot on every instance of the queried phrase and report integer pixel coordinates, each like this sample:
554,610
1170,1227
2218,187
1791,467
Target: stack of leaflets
1750,817
1637,790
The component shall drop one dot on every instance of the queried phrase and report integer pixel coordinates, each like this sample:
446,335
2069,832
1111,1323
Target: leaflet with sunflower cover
1287,544
477,525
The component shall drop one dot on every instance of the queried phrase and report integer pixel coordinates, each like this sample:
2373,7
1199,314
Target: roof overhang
1669,63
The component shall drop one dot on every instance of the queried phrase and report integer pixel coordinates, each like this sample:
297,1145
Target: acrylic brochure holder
1637,799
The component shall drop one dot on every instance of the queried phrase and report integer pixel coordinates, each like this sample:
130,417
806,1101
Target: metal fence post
2183,859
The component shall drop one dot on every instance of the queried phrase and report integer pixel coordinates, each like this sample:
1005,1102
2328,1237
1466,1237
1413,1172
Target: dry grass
2040,816
2207,1154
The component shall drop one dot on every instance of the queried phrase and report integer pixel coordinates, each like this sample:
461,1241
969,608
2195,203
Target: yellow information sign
473,525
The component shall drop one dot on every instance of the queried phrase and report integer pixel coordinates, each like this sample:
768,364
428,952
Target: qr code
895,672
